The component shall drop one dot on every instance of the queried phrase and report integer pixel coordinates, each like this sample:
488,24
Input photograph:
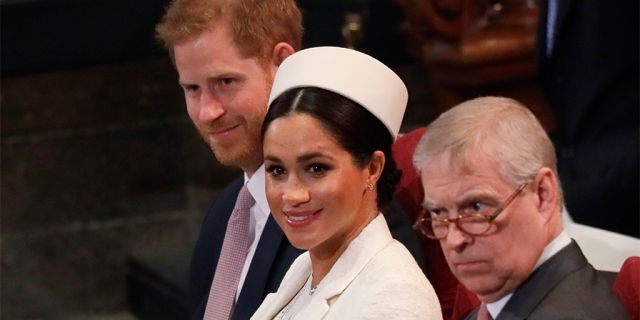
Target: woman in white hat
327,136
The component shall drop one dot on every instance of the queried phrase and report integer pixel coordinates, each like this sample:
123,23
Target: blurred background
104,179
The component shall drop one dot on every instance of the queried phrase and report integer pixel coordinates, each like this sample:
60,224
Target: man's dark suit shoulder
565,287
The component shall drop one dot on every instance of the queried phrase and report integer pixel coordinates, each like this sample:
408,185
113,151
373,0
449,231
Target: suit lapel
292,283
542,281
361,250
317,308
258,276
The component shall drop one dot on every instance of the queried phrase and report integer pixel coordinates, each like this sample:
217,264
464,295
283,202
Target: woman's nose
295,192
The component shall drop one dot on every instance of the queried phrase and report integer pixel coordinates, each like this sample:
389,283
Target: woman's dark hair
355,128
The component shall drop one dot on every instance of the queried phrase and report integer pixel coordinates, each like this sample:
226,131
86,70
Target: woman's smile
301,218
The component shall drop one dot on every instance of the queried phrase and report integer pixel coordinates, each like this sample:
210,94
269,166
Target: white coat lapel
316,309
373,238
361,250
293,281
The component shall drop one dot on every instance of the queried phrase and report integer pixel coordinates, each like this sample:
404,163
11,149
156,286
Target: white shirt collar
256,186
561,241
495,307
553,247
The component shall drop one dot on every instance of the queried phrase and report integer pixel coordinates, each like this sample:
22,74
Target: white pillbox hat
349,73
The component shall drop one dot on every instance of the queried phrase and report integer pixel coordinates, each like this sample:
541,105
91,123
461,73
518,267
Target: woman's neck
324,257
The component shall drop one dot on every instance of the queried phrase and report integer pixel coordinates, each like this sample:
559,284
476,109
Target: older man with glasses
494,201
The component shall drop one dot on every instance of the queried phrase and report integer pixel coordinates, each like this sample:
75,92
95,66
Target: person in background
493,198
327,137
587,53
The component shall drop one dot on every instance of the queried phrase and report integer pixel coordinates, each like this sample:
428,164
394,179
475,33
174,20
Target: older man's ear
546,192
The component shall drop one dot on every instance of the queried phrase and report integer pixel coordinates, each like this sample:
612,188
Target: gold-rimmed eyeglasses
476,224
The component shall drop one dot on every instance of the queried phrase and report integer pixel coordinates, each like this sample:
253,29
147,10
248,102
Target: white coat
375,278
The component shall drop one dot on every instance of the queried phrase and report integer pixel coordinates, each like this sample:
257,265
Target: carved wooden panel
477,47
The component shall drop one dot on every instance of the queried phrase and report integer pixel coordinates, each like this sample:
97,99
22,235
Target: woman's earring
371,187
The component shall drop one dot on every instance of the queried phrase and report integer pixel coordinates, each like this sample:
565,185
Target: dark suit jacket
272,257
564,287
271,261
591,82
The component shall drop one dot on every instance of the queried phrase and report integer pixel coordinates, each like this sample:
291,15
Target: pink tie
483,313
231,261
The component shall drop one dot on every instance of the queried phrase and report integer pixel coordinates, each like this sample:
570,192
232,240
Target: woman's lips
300,218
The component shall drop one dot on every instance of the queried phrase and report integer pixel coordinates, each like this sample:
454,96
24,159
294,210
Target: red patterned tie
231,261
483,313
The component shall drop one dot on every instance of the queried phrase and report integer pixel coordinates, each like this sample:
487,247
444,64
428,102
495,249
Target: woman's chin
302,243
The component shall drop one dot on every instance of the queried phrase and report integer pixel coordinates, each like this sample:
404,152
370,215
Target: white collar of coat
373,238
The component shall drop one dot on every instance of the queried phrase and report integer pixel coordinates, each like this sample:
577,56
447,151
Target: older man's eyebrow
428,204
476,195
431,205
